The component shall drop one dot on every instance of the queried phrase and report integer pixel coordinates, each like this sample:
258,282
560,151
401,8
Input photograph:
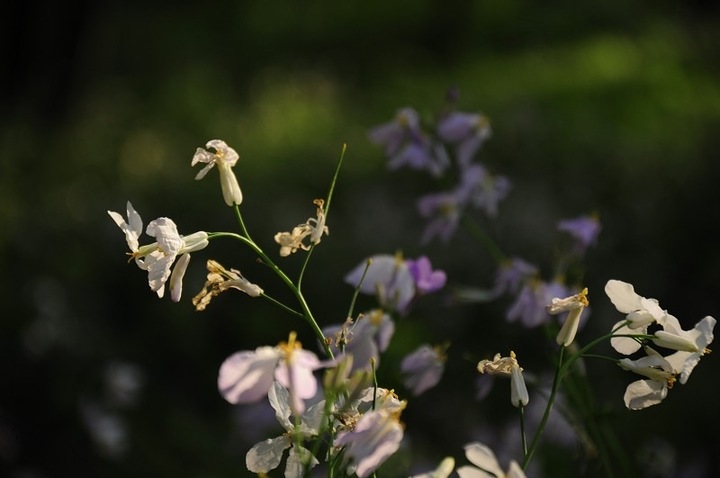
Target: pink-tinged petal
483,457
644,393
423,369
297,376
266,455
375,438
247,376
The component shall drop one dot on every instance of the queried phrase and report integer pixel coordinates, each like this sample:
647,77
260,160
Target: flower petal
266,455
247,376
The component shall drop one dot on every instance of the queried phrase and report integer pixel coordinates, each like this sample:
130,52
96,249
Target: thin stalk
479,233
298,294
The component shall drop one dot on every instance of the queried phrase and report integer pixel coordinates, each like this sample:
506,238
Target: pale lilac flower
267,454
530,303
158,258
394,134
225,158
467,130
423,368
247,376
219,280
388,277
375,437
508,366
426,279
487,465
421,154
444,210
511,276
443,470
405,144
365,339
584,229
574,306
483,190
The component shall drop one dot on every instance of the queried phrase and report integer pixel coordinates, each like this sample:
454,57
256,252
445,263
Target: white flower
508,366
219,280
691,345
574,305
158,258
640,311
247,376
487,465
661,374
225,158
266,455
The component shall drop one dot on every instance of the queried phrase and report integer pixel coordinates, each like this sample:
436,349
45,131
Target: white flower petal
298,459
176,277
483,457
623,296
266,455
644,393
625,345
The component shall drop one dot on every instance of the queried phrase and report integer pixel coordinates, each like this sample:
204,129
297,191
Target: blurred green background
612,107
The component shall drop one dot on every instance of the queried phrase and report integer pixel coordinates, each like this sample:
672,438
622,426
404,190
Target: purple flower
512,275
530,303
388,277
483,190
584,230
394,134
444,210
376,436
468,130
423,368
365,339
426,279
405,144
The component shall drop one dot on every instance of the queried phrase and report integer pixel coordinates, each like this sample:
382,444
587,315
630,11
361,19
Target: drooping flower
225,158
219,280
574,306
247,376
423,368
584,230
486,465
267,454
365,338
375,437
467,130
508,366
158,258
313,228
661,377
691,345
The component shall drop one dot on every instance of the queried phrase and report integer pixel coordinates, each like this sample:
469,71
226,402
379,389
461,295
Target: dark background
611,107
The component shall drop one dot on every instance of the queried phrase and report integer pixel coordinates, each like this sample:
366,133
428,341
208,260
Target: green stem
298,294
548,408
479,233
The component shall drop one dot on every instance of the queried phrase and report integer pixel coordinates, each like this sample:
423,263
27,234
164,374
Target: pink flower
247,376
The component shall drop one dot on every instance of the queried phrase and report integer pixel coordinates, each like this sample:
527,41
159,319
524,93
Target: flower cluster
633,333
347,423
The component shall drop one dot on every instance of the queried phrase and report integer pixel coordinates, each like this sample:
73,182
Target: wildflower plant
337,419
